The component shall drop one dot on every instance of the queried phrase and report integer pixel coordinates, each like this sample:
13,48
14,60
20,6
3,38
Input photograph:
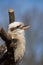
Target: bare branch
4,35
11,15
9,55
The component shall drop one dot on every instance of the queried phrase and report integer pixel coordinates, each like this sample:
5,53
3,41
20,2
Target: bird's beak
26,27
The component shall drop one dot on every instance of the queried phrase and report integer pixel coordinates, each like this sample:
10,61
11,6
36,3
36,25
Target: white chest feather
20,50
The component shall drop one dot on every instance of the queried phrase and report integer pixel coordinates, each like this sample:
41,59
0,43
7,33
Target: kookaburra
17,31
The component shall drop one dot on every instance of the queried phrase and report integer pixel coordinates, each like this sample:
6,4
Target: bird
16,30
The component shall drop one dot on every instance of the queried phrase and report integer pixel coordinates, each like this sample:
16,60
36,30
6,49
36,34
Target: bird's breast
19,52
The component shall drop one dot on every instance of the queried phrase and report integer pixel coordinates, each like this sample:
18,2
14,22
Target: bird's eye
12,29
17,26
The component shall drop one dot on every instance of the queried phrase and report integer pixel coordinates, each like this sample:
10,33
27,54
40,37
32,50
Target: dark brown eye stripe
18,26
15,28
12,29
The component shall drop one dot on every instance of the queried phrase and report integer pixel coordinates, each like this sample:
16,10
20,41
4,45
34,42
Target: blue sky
19,6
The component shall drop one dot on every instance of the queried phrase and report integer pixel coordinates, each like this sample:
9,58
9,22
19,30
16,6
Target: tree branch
4,35
8,40
11,15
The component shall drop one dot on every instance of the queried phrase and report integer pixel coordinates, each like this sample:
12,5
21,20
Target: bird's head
16,29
